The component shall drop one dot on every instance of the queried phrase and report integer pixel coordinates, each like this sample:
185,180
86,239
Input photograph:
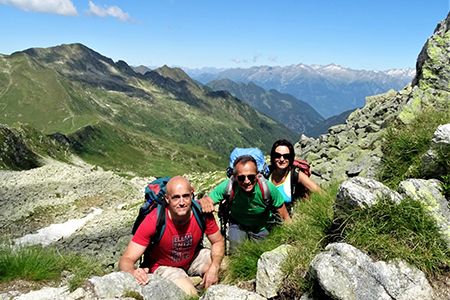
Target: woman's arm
308,182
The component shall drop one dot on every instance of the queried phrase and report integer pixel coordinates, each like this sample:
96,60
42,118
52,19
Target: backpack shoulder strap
229,189
159,231
160,224
265,191
199,216
294,180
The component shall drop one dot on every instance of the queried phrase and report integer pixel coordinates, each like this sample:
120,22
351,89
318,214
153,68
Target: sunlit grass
404,146
39,264
390,231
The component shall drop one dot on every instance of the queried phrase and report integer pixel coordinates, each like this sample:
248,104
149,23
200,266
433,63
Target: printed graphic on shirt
181,244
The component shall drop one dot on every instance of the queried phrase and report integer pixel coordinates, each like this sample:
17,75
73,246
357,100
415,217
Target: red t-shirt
177,245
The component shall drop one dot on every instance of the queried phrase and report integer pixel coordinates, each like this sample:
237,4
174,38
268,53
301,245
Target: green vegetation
133,294
43,264
405,144
446,186
153,124
390,231
307,232
117,150
385,231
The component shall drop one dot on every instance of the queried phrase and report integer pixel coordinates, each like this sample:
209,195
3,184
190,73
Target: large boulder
363,192
345,273
118,283
269,275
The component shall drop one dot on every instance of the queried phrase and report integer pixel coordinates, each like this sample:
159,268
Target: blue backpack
155,193
257,155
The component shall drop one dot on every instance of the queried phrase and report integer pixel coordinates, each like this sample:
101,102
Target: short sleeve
219,192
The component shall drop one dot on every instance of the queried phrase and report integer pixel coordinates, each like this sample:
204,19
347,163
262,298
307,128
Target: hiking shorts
195,267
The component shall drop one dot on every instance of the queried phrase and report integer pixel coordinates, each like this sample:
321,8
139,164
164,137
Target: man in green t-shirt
249,214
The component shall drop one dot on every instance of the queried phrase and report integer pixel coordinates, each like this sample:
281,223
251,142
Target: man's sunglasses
279,155
251,177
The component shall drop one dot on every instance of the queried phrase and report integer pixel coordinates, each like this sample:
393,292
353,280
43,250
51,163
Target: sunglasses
251,177
279,155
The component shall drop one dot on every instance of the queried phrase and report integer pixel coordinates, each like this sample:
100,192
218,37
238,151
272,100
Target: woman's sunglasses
279,155
251,177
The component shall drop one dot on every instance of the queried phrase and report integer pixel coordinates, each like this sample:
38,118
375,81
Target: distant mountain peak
176,74
330,89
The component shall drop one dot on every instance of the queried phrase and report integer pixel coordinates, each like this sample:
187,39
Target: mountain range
285,108
330,89
158,123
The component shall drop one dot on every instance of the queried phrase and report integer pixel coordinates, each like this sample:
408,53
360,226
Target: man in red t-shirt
175,256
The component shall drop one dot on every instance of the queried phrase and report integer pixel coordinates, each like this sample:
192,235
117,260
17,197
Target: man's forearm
284,213
217,252
126,265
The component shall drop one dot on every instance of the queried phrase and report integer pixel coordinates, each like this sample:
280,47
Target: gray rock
440,145
344,272
114,284
227,292
117,283
46,293
363,192
269,275
429,193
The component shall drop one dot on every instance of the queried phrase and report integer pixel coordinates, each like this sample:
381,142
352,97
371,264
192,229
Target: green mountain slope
123,120
285,108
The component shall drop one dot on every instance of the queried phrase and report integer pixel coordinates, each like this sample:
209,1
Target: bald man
175,256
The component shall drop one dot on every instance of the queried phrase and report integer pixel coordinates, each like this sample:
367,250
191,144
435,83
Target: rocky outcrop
433,69
14,154
354,148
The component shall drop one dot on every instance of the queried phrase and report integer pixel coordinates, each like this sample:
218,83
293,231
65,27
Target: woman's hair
282,143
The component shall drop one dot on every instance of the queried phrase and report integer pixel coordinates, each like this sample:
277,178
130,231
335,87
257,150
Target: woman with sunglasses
282,158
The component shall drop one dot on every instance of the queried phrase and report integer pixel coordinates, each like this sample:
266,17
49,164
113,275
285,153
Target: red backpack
298,189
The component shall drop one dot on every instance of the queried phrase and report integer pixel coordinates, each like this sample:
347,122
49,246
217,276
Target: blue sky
357,34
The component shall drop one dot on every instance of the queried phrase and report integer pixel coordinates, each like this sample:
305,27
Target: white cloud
60,7
113,11
272,58
238,61
256,56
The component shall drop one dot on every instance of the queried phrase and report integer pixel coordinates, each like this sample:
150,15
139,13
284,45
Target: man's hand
210,277
132,254
141,275
207,204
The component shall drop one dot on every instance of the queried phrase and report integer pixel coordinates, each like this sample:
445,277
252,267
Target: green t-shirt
248,209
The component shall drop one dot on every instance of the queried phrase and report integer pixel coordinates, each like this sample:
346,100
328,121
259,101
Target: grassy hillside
133,118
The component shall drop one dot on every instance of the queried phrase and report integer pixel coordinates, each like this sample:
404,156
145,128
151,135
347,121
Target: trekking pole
223,231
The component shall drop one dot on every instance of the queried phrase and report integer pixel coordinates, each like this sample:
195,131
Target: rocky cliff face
353,148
